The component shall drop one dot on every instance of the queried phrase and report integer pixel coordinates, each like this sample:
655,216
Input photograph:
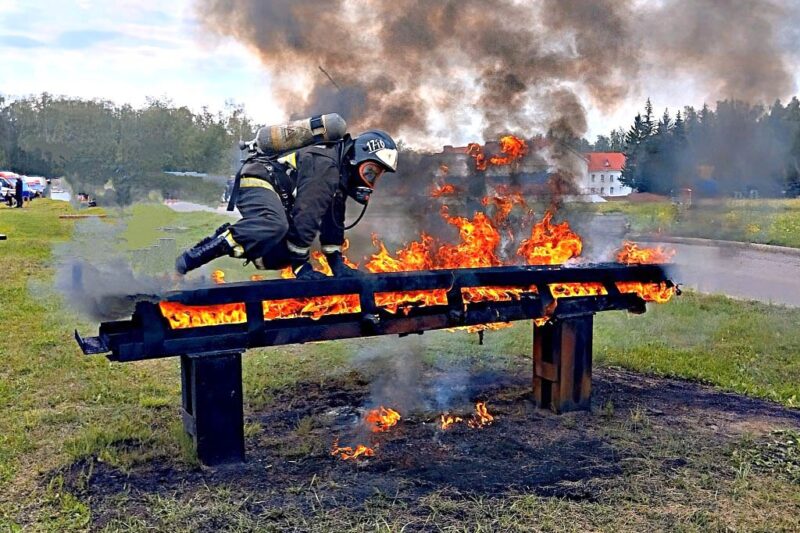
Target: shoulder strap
235,192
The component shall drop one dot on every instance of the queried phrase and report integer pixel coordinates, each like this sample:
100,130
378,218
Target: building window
602,190
611,178
593,178
612,190
602,177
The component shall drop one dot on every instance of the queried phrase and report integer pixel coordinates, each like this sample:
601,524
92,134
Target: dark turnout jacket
319,204
317,190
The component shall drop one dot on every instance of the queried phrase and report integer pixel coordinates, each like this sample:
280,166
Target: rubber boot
217,232
202,253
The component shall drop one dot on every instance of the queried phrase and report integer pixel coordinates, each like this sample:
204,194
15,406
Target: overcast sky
127,50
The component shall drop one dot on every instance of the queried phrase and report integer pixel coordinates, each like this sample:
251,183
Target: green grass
58,406
761,221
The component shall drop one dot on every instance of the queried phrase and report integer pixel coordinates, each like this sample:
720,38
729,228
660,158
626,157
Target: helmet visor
369,172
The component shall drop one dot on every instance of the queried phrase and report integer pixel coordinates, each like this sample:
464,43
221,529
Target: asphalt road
747,273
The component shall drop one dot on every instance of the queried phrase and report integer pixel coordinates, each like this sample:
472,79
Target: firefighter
290,201
19,190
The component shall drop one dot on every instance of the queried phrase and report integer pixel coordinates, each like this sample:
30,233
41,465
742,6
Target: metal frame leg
562,364
212,405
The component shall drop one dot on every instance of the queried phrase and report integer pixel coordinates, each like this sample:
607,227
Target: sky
128,50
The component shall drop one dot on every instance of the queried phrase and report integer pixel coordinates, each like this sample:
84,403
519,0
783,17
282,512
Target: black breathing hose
353,225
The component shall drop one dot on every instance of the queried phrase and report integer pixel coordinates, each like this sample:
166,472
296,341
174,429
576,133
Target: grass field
59,409
762,221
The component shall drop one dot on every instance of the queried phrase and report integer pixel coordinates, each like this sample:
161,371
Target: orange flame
550,244
446,189
649,292
347,453
481,417
477,247
512,148
570,290
218,277
381,419
504,201
631,254
448,420
475,151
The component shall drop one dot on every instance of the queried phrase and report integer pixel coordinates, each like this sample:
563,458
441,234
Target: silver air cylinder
300,133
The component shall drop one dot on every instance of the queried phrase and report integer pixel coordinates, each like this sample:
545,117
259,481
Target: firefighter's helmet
378,146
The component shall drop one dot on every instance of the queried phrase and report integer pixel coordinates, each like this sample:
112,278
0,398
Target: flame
649,292
218,277
477,247
512,148
448,420
259,277
504,201
570,290
481,417
631,254
182,316
475,151
550,244
347,452
446,189
381,419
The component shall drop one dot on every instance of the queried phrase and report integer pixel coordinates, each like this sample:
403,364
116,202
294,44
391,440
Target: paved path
767,274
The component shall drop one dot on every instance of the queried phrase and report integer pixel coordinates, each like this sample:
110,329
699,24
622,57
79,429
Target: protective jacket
312,188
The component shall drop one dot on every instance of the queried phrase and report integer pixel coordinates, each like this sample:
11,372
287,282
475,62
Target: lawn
68,421
761,221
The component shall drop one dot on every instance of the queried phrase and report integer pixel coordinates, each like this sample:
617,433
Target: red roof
600,161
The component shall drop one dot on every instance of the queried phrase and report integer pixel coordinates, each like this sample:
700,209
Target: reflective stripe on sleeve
331,248
299,250
256,182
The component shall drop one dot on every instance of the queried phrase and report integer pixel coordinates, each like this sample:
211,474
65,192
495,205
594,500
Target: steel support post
562,364
212,405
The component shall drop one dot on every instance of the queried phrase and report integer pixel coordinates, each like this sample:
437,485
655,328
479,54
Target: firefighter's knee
282,227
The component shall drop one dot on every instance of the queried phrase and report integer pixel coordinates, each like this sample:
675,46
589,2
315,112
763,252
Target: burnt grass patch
636,422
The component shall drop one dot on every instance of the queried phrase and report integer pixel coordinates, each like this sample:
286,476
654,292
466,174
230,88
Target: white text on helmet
373,145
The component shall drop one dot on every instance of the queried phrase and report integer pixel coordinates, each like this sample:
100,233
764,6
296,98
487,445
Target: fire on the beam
479,240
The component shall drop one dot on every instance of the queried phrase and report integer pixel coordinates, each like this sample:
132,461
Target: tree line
94,141
734,149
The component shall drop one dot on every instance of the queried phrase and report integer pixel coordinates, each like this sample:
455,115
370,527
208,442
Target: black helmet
375,145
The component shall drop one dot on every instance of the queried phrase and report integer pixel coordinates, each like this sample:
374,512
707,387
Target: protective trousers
263,226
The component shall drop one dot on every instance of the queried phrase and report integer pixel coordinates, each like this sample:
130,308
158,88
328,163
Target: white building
602,175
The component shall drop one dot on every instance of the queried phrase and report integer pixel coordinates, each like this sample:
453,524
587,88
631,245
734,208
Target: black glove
306,271
339,268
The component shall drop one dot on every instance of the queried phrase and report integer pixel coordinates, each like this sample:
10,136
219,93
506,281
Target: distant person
18,189
226,194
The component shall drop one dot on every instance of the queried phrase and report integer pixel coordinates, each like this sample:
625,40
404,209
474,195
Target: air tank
300,133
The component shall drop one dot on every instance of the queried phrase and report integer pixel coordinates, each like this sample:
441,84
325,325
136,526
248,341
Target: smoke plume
435,68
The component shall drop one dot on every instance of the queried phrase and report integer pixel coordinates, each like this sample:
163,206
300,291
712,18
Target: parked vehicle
6,191
10,184
37,184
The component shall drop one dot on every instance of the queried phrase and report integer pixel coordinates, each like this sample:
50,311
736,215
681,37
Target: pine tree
634,144
647,120
679,129
665,124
